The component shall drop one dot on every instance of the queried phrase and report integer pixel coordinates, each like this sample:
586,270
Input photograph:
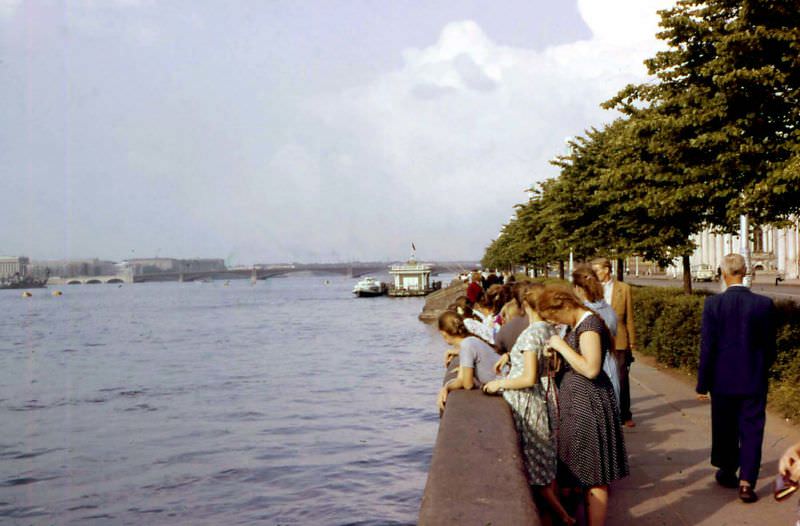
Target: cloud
465,125
8,8
239,153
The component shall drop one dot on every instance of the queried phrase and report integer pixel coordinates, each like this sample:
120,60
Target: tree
722,115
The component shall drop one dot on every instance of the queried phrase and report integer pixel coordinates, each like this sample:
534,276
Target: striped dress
591,446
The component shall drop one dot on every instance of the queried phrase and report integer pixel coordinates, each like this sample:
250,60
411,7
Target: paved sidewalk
672,480
764,284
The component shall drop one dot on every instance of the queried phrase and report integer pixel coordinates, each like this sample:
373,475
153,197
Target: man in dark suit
737,348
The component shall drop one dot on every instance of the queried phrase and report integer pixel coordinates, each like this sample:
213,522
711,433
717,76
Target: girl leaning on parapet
476,356
530,392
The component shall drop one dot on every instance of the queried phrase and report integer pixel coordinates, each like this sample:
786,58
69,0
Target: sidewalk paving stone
672,480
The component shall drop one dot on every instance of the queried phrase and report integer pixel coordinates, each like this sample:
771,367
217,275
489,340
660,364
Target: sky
307,131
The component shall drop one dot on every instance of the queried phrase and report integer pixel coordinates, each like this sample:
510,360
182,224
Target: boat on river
369,287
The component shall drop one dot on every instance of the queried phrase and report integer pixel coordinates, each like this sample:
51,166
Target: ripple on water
30,405
23,481
17,455
23,512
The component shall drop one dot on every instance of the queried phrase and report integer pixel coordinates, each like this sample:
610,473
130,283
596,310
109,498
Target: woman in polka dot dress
591,446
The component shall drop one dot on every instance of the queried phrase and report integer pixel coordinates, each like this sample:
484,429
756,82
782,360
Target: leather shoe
727,480
746,494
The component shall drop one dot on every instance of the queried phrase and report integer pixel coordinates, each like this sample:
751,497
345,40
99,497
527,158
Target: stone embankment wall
477,475
437,302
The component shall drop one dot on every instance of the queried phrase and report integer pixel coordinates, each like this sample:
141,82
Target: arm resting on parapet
528,378
464,380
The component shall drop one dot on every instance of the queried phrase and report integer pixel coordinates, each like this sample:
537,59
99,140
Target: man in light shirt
618,295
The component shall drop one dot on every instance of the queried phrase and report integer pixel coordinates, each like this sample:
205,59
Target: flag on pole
413,247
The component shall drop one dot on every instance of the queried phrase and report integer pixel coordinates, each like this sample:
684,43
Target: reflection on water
287,402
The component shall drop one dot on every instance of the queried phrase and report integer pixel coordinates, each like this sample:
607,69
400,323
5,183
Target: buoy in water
57,293
26,294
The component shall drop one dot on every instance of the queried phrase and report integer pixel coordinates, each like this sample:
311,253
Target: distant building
771,249
68,268
13,265
201,264
156,265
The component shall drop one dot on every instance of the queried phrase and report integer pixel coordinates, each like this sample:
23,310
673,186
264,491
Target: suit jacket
737,343
623,308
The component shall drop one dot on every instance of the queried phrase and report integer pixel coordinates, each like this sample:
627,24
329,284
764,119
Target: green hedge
668,328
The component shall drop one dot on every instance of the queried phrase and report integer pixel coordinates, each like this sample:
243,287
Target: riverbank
671,480
437,302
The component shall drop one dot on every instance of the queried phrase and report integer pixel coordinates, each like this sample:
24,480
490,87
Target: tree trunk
560,269
620,269
687,276
535,272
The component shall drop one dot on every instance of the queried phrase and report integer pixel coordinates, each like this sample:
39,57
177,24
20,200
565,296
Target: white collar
585,315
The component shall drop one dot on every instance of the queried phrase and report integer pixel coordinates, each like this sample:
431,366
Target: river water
285,402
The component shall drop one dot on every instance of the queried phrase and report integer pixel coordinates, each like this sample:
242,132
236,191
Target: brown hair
518,292
495,297
462,301
585,278
556,298
461,306
452,324
532,293
602,262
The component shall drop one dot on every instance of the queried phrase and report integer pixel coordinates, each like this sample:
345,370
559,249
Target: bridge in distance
260,272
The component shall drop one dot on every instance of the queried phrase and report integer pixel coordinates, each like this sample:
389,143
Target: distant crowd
560,356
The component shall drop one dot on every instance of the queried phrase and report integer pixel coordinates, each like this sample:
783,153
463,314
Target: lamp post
571,263
744,248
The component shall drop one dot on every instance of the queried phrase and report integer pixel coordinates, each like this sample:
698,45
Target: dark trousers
624,357
737,431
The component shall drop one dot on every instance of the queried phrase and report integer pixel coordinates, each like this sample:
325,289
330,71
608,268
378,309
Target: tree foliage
715,135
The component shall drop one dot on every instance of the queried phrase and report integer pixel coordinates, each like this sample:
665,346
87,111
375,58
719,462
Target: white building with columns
771,249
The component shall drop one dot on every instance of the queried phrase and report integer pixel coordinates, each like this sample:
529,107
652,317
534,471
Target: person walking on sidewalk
618,295
737,348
